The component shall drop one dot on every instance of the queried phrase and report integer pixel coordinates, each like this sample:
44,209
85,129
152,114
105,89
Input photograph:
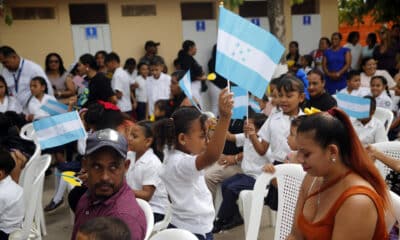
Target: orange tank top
323,229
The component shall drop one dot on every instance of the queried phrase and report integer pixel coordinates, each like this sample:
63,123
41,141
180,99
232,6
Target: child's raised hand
269,168
249,128
225,103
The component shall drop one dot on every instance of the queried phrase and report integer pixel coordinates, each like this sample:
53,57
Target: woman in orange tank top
342,196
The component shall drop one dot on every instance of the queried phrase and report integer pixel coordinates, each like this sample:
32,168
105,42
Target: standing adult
318,54
59,78
18,73
336,63
294,54
108,193
151,49
100,57
368,50
385,53
355,48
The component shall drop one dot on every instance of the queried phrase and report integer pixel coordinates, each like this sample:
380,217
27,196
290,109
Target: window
307,7
138,10
33,13
195,11
253,9
88,13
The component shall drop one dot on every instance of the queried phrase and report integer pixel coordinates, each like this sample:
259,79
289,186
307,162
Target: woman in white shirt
369,70
7,102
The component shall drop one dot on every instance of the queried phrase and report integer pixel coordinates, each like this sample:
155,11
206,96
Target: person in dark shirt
319,98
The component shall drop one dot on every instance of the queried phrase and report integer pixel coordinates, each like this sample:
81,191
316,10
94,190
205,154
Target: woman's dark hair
317,72
61,68
147,127
187,44
102,118
5,84
7,163
337,34
163,105
101,52
327,40
178,74
129,62
336,128
166,131
309,59
353,36
365,60
106,228
373,38
42,82
297,54
89,60
290,83
384,82
351,74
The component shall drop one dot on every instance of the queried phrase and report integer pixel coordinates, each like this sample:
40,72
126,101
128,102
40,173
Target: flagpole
247,109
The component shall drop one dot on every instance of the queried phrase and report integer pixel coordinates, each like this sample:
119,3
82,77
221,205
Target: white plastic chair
391,149
33,189
385,116
163,224
148,212
289,178
174,234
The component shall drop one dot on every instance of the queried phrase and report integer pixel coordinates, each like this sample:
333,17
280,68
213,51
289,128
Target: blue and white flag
246,54
58,130
53,107
186,85
254,105
241,102
356,107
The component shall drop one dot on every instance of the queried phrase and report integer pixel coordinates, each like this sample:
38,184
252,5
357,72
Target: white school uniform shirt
145,171
192,204
360,92
366,80
384,101
141,91
122,81
35,104
10,104
252,163
372,132
28,70
11,205
275,131
157,89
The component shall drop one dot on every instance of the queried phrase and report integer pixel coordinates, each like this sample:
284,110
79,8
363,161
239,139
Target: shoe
236,221
53,206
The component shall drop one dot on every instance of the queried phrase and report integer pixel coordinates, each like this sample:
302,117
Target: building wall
328,10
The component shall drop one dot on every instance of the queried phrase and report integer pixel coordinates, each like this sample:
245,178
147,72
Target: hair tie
332,112
311,111
108,105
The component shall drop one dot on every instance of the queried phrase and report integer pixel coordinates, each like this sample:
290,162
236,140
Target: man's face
106,172
10,62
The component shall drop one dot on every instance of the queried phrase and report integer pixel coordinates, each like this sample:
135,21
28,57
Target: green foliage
5,13
381,10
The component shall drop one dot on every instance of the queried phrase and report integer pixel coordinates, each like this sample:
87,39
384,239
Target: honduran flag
58,130
246,54
53,107
356,107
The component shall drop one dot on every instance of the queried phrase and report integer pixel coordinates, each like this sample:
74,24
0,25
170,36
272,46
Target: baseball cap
107,138
151,44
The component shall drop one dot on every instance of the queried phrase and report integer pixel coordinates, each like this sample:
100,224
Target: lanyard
16,78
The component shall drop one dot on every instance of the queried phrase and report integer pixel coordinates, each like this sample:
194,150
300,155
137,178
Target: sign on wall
200,26
91,32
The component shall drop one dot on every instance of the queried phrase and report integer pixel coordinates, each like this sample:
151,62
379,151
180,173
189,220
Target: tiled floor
59,225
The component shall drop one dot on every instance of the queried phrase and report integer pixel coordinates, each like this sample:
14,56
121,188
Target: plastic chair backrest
33,187
289,178
175,234
148,212
35,155
27,132
391,149
163,224
385,116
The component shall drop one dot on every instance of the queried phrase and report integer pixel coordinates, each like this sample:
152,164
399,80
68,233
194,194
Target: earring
333,159
183,143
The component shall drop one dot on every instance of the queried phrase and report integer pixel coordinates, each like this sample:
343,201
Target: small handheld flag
254,105
356,107
241,102
53,107
186,85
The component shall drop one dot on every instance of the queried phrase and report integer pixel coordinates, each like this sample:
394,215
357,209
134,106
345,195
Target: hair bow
108,105
311,111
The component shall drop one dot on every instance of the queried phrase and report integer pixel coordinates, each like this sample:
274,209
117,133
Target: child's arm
146,193
217,141
389,161
230,137
260,147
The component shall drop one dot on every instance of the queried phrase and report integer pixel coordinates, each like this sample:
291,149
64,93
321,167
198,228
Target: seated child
104,228
11,197
380,91
162,109
306,62
353,87
39,97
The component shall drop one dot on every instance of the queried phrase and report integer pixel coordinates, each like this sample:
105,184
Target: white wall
306,32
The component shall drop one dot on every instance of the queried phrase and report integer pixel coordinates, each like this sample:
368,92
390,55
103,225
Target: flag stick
247,109
228,85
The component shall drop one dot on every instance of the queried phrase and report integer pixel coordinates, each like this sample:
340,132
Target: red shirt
122,205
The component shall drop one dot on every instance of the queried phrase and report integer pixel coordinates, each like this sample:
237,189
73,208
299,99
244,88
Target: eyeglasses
108,135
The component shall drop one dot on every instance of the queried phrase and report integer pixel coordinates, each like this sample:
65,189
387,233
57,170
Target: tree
5,13
351,11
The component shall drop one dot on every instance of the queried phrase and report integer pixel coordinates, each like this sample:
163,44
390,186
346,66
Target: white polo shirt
141,91
11,205
10,104
157,89
121,81
366,80
355,54
27,70
360,92
145,171
372,132
35,105
384,101
192,204
252,162
275,131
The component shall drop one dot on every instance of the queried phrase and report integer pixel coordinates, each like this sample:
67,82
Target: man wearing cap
108,193
151,51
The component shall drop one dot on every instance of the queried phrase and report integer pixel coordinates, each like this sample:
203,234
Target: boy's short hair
157,61
351,74
105,228
7,163
112,56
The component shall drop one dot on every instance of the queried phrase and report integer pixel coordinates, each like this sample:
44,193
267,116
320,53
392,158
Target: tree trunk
276,18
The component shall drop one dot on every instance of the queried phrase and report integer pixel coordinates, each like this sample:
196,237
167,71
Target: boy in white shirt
120,82
353,87
158,84
11,197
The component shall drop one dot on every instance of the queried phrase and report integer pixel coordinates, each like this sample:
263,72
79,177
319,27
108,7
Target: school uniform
10,104
366,80
360,92
11,206
157,89
372,132
145,171
192,204
275,131
35,104
141,97
121,82
384,101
